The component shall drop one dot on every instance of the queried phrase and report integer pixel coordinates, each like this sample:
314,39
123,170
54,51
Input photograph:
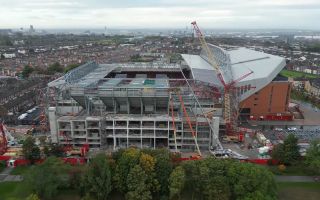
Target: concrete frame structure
119,112
121,105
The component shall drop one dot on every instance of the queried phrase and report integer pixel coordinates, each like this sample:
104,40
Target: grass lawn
295,74
19,191
7,189
299,191
295,170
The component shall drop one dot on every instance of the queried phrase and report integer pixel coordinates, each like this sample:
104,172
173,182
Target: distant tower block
31,30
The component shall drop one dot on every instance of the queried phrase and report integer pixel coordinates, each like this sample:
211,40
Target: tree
278,153
288,152
33,197
163,169
97,180
27,70
30,150
71,66
46,151
55,150
207,179
55,67
138,189
128,159
45,179
248,181
42,140
147,163
312,158
176,182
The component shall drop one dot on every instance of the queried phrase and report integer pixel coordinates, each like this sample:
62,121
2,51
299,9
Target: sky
215,14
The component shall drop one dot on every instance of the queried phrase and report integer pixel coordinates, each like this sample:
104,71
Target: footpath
6,177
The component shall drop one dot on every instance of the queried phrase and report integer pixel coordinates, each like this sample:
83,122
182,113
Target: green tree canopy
71,66
45,179
138,189
97,180
55,150
249,181
313,157
30,150
128,159
33,197
288,152
55,67
27,70
176,182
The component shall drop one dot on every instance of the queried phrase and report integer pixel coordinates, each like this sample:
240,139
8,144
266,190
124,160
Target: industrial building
152,105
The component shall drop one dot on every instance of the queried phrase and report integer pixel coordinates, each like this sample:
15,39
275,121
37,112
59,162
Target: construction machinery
70,150
229,85
3,141
176,91
6,139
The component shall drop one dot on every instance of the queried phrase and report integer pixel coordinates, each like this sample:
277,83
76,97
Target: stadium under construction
153,105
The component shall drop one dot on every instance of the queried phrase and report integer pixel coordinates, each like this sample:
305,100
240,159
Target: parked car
292,129
278,129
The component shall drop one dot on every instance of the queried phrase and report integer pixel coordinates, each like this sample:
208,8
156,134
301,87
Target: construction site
187,107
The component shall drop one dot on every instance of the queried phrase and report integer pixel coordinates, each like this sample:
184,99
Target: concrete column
53,124
114,136
127,133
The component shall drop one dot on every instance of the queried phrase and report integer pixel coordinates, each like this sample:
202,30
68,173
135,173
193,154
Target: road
294,179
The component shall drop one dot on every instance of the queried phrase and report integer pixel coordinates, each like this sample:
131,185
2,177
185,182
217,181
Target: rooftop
265,68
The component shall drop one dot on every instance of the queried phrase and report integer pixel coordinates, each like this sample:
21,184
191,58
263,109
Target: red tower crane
228,87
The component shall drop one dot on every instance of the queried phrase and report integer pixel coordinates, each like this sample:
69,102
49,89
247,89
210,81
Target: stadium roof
265,68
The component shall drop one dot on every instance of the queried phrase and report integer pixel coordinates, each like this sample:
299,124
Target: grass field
19,191
299,191
298,169
295,74
7,189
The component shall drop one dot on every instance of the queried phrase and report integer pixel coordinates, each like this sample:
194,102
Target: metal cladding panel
223,60
265,68
201,69
208,76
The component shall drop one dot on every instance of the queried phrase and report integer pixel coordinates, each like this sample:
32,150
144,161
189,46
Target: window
256,98
255,104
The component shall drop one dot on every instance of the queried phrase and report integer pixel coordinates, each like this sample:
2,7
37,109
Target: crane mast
229,87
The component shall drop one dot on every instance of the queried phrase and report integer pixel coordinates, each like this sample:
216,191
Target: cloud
160,13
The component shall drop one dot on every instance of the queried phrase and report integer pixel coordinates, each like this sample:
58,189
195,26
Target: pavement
6,177
295,179
311,119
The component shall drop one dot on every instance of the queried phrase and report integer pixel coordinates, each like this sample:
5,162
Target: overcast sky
297,14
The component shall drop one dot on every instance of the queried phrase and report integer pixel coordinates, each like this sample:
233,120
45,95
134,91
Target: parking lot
302,135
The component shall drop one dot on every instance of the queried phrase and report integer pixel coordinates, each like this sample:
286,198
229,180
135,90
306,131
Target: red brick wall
272,99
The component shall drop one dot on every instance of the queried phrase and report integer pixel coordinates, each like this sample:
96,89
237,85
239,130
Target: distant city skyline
171,14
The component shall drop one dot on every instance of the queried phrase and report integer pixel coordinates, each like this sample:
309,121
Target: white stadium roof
265,68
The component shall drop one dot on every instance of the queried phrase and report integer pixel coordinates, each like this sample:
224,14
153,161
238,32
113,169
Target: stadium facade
143,104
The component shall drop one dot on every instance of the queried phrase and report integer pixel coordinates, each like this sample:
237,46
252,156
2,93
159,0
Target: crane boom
194,134
228,85
173,124
211,58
